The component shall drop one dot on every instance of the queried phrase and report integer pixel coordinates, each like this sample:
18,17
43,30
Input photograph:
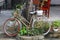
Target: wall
55,2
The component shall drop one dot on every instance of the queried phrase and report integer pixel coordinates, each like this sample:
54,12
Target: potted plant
56,25
43,26
30,34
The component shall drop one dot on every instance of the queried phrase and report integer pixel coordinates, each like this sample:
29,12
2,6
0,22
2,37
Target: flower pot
40,37
55,29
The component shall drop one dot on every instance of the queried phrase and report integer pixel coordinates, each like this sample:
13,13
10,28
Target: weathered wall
55,1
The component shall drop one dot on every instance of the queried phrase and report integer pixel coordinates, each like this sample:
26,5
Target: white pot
55,29
39,12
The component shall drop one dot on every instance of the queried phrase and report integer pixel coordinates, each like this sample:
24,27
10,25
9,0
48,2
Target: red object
36,2
45,8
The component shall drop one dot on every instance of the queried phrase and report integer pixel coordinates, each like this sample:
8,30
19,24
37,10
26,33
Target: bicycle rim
44,33
11,30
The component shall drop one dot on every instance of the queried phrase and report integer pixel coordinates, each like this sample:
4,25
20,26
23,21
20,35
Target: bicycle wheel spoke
11,27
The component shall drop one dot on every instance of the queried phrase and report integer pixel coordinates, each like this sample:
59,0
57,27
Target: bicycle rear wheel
44,25
11,27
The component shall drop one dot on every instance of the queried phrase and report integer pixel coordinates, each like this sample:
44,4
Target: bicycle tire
45,32
4,27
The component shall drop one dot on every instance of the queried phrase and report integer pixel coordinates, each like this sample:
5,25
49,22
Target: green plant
42,26
56,23
30,32
38,24
19,6
46,26
23,31
33,32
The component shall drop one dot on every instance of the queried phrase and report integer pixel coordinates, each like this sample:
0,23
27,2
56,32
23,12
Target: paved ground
5,14
55,13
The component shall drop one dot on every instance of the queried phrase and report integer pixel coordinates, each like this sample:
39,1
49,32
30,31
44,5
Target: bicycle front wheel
11,27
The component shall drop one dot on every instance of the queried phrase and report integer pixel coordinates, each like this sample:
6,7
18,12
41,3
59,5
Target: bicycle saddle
32,12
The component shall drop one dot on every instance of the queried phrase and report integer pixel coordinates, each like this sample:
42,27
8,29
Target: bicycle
16,22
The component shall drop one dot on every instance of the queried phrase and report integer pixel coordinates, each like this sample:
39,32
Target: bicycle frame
24,21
